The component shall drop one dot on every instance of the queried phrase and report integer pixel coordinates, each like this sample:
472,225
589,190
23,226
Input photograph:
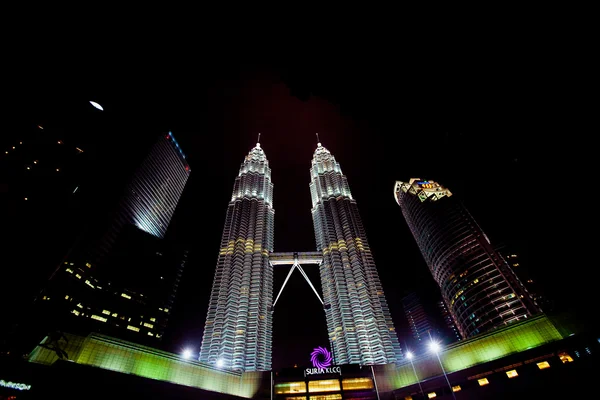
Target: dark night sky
491,126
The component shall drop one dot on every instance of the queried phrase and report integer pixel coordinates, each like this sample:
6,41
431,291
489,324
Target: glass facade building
121,276
359,323
477,284
238,329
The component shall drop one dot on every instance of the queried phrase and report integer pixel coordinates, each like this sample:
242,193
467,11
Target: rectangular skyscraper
238,330
120,277
358,318
479,287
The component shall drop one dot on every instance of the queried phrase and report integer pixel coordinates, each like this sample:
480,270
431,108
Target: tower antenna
318,141
258,141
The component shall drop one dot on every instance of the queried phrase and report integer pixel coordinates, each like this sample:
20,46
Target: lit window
565,357
336,396
431,395
543,365
78,276
88,265
79,305
512,373
147,325
153,319
483,381
325,385
357,383
408,398
87,282
106,312
289,387
133,328
456,388
150,334
99,318
125,295
67,297
75,312
166,310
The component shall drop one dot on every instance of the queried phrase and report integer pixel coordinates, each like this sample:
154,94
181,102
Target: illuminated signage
320,357
319,371
426,184
14,385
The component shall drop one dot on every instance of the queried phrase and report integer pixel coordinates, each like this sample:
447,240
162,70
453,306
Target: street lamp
187,353
435,347
409,355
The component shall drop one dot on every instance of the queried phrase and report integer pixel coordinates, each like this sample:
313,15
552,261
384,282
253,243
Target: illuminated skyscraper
238,329
151,196
478,285
358,319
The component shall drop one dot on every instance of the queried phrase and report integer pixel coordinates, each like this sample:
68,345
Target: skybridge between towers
295,259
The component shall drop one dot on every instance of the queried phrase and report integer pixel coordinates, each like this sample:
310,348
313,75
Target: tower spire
258,141
318,141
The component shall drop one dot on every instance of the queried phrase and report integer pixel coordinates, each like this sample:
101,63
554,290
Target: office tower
358,319
238,329
421,325
479,287
115,278
452,332
151,196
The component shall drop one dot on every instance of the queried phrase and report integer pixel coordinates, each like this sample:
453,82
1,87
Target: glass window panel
290,387
327,397
357,383
325,385
512,373
483,381
543,365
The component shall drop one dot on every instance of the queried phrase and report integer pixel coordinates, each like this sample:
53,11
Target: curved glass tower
477,284
358,319
237,333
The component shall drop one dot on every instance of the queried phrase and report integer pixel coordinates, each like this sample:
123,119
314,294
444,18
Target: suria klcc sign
321,361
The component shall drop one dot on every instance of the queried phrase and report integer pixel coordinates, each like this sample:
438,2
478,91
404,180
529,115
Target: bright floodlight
98,106
219,363
187,353
409,355
434,346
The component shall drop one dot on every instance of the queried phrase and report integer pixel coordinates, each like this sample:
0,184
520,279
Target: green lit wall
129,358
465,354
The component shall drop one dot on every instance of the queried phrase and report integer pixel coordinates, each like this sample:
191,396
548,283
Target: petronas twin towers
239,322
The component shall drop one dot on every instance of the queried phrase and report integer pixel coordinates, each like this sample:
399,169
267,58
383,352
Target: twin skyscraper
238,330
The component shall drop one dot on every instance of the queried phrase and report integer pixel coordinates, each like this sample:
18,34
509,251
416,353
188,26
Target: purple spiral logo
320,357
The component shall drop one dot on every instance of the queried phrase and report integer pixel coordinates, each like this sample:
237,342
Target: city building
359,323
238,327
477,284
452,332
537,357
121,276
420,323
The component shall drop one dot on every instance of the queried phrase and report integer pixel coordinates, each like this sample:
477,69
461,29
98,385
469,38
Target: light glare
434,346
98,106
409,355
187,353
